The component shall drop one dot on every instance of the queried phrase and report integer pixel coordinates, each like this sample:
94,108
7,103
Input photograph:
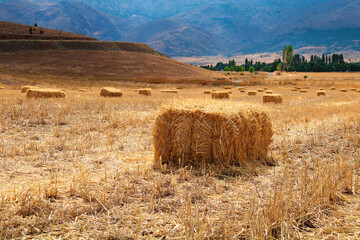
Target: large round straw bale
321,93
25,88
211,135
146,92
110,92
269,92
44,93
343,90
220,95
275,98
207,91
252,93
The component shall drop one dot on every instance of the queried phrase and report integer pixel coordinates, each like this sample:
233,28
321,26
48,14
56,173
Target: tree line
291,62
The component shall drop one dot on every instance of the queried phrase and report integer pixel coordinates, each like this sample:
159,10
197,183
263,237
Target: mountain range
200,27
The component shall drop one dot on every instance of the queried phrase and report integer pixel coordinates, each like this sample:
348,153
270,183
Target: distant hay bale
358,91
321,93
332,88
260,90
207,91
275,98
228,87
110,92
265,88
252,93
303,91
220,95
298,88
179,88
269,92
321,89
145,91
44,93
25,88
241,88
136,90
306,87
294,89
343,90
230,92
212,136
82,90
1,88
169,91
353,89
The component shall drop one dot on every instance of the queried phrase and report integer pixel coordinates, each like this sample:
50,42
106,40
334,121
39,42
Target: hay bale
220,95
303,91
275,98
82,90
1,88
265,88
25,88
230,92
294,89
252,93
44,93
145,91
332,88
343,90
169,91
207,91
306,87
260,90
358,91
241,88
321,93
228,87
269,92
298,88
110,92
211,135
353,89
136,90
321,89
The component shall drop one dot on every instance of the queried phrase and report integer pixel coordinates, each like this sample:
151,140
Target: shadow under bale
212,136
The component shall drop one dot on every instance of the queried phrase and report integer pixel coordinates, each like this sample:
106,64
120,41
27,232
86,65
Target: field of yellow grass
82,168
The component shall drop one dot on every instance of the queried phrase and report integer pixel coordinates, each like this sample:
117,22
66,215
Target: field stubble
81,167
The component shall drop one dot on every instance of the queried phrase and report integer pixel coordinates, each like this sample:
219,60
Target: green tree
35,24
251,69
288,56
30,30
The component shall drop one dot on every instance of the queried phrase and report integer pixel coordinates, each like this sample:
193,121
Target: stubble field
81,167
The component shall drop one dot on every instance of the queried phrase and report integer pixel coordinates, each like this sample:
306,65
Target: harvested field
83,167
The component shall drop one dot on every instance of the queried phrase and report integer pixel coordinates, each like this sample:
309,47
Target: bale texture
169,91
44,93
25,88
269,92
252,93
146,92
275,98
303,91
220,95
207,91
321,93
343,90
211,135
110,92
332,88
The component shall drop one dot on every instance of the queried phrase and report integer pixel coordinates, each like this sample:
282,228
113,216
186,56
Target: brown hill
10,30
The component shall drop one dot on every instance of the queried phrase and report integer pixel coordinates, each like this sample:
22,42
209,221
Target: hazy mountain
199,27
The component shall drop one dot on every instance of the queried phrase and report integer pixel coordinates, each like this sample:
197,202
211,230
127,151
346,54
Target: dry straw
45,93
260,90
228,87
211,135
353,89
274,98
25,88
169,91
241,88
306,87
321,93
146,92
333,88
303,91
252,93
82,90
294,89
358,91
343,90
1,87
269,92
110,92
207,91
220,95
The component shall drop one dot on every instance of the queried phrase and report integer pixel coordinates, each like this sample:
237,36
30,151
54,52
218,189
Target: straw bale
358,91
44,93
169,91
265,88
241,88
136,90
269,92
230,92
353,89
252,93
275,98
110,92
343,90
211,135
228,87
321,89
332,88
294,89
145,91
298,88
82,90
207,91
306,87
1,87
25,88
303,91
220,95
321,93
260,90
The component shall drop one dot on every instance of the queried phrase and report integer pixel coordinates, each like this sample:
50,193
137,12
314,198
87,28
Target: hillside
10,30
